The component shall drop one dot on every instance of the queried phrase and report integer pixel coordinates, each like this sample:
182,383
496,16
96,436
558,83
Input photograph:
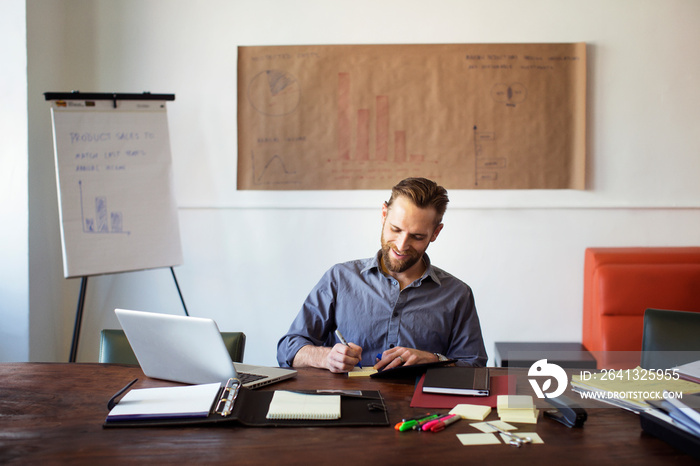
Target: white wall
14,277
251,257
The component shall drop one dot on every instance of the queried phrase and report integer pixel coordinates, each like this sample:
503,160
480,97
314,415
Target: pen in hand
345,342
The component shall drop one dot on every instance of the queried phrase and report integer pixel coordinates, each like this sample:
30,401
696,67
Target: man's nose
401,242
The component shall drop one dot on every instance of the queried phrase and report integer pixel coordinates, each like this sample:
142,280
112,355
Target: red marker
444,423
426,427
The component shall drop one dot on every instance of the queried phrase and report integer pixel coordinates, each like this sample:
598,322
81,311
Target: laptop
189,350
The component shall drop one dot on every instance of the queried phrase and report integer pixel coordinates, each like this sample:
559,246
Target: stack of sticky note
517,408
472,412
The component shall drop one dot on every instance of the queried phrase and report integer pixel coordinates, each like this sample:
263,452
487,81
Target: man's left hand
400,356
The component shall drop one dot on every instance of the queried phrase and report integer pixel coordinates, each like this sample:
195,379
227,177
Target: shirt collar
374,264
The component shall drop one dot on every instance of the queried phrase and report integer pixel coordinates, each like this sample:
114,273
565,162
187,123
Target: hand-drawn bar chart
366,116
103,220
362,129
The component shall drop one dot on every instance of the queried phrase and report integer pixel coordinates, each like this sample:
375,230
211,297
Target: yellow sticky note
524,417
478,439
485,427
517,408
514,402
472,412
362,371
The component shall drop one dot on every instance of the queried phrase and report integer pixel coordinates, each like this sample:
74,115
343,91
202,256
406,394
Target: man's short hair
423,193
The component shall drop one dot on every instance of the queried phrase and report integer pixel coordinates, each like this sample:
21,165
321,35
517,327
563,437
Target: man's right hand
339,358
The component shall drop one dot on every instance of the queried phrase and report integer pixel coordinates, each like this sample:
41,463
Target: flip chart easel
114,179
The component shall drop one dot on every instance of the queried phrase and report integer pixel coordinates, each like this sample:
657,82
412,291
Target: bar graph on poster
473,116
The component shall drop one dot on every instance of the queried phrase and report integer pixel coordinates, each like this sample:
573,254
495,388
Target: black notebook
410,371
457,381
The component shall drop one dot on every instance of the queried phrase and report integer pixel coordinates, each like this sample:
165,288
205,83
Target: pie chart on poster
274,92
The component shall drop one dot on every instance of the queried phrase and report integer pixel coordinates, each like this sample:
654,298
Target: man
395,308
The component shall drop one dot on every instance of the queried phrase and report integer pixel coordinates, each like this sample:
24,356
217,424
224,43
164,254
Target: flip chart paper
114,175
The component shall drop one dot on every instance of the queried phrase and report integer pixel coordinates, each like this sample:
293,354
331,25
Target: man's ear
437,231
385,211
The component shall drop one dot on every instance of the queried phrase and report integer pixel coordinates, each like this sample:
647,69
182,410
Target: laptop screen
179,348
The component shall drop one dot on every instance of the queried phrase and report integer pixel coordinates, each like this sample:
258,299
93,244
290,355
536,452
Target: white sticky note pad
478,439
533,436
472,412
484,427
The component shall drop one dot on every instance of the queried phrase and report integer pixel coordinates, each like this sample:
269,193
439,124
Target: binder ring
228,397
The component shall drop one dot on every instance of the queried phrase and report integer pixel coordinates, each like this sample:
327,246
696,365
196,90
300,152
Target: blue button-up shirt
435,313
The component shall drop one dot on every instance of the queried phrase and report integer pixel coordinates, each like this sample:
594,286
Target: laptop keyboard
246,377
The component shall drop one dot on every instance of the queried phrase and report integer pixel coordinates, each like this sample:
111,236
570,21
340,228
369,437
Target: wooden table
53,413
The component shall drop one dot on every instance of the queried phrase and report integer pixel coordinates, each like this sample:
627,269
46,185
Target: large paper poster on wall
472,116
114,173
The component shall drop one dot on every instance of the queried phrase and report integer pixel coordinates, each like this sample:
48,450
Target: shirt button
391,346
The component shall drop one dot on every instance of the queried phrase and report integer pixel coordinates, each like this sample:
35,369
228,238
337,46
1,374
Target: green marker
411,424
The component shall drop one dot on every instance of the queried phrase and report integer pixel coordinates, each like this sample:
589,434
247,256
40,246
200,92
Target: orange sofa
621,283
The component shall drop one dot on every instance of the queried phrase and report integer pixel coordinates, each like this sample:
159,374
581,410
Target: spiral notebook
292,405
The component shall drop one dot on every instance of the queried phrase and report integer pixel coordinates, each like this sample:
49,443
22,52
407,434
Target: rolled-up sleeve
312,325
467,344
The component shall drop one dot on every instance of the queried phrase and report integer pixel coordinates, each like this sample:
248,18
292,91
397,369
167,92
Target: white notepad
166,402
291,405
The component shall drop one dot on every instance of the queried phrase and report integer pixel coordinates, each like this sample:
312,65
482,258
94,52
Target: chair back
115,347
670,338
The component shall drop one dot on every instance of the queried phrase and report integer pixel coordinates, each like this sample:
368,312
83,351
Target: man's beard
394,265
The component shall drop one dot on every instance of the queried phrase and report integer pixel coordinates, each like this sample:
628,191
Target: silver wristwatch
441,357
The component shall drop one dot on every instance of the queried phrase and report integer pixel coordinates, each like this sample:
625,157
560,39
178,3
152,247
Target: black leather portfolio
238,405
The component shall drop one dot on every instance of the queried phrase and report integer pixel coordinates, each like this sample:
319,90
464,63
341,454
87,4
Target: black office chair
115,348
670,338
